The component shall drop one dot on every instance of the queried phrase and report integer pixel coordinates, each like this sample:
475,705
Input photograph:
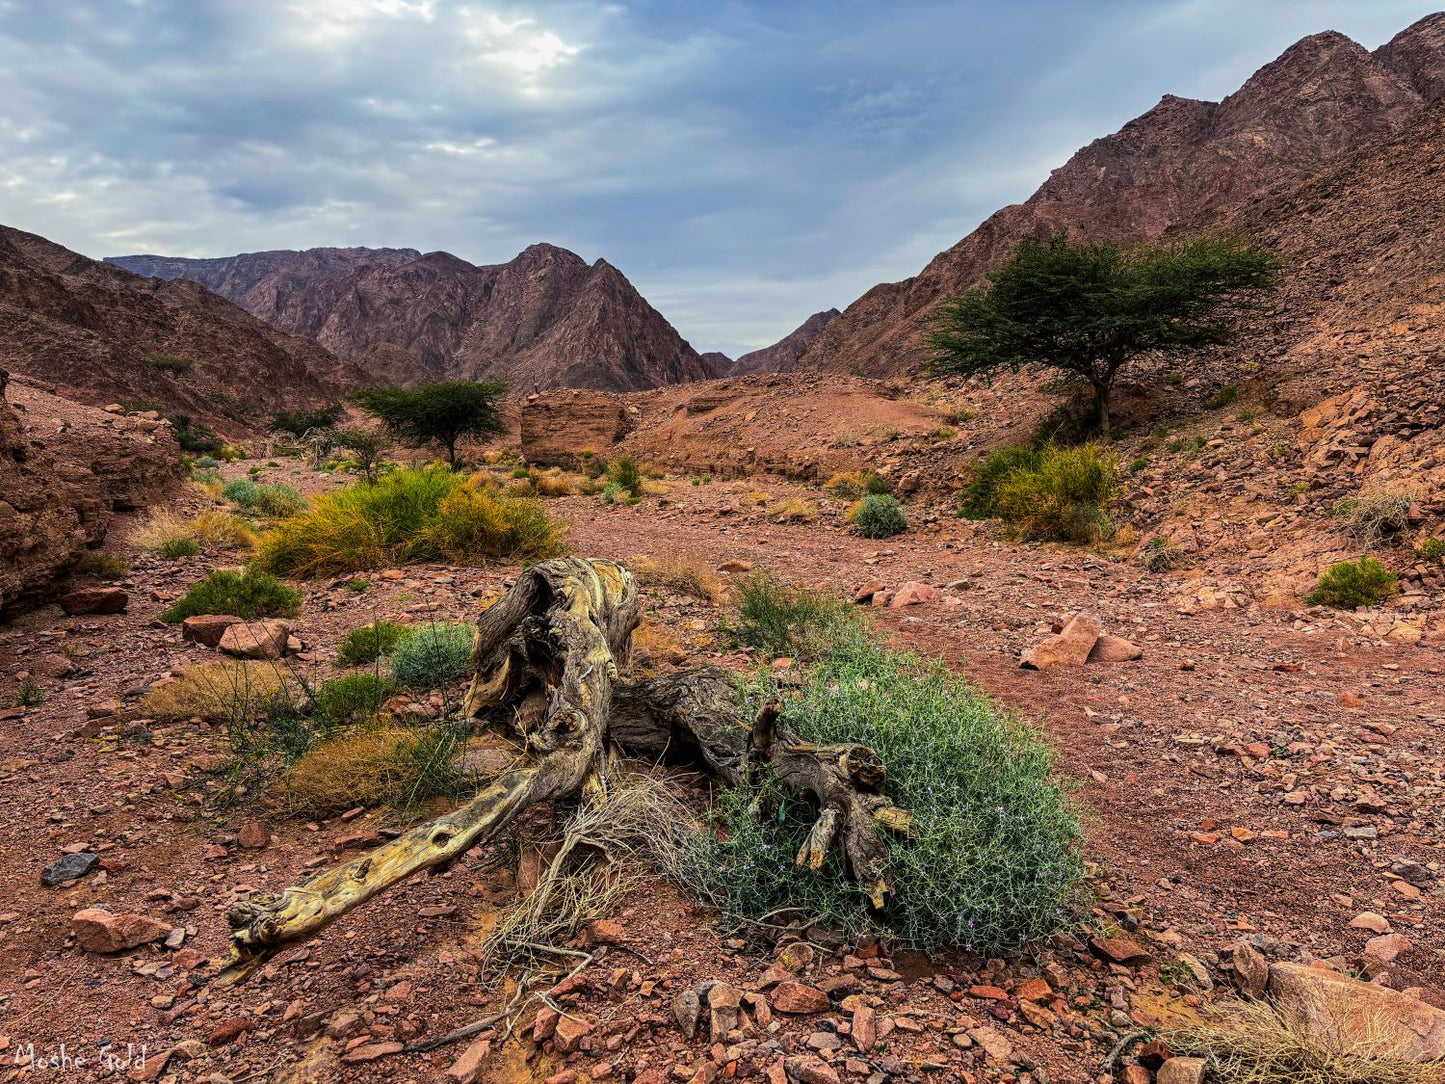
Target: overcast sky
744,163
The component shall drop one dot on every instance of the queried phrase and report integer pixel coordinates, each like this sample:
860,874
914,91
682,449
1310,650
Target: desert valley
420,670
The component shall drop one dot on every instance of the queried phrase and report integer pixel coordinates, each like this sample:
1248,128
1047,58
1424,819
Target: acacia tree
1092,309
437,413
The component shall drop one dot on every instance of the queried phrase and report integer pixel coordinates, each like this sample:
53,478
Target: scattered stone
1368,920
1342,1010
993,1043
207,629
799,997
723,1002
865,1029
1108,648
571,1030
913,593
1386,948
467,1069
372,1051
253,835
1121,950
69,868
1069,647
810,1069
735,565
95,600
686,1010
1251,970
1182,1071
230,1030
102,931
256,639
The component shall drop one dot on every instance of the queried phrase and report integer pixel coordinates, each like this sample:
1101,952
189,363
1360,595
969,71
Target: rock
1385,948
372,1051
230,1030
913,593
1368,920
1121,950
798,997
467,1069
1251,970
809,1069
256,639
735,565
544,1024
865,591
993,1043
1339,1009
686,1010
723,1002
1136,1074
571,1030
253,835
865,1029
1182,1071
1109,648
95,600
69,868
1069,647
604,931
207,628
102,931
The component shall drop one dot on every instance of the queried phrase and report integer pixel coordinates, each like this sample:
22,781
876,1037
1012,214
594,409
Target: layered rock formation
545,319
103,334
1183,165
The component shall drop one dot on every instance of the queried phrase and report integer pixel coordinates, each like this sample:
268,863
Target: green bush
351,698
627,473
299,422
241,491
1431,551
880,516
106,566
992,860
369,642
1354,583
171,363
173,549
433,655
612,492
207,462
194,437
781,620
1045,494
407,516
247,593
278,500
1227,394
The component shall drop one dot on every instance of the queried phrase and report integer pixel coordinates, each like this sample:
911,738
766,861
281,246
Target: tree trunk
1101,400
545,664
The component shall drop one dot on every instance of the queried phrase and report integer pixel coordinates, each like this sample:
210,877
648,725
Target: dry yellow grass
653,644
380,762
793,510
215,528
554,483
224,691
678,572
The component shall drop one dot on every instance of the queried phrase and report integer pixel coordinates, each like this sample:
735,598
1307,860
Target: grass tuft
687,575
781,620
373,764
431,656
366,644
879,516
247,593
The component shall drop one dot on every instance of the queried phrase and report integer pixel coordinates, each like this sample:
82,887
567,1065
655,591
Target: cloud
745,162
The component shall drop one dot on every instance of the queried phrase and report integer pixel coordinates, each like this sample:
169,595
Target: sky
745,164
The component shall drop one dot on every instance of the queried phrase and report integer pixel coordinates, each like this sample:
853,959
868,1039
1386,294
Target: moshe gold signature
109,1058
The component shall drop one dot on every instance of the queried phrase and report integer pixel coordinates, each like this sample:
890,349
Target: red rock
865,1029
1109,648
913,593
372,1051
570,1032
102,931
809,1069
1069,647
1036,989
1182,1071
988,993
94,600
604,931
256,639
798,997
230,1030
1332,1005
1385,948
1136,1074
207,628
544,1024
253,835
1121,950
1368,920
865,591
467,1069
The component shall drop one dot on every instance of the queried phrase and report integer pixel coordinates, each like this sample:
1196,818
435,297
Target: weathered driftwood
546,668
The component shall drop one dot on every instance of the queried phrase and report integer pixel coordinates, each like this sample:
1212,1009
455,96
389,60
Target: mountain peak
1417,55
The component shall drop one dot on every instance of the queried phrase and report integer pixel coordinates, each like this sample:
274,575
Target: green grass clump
106,566
241,491
278,500
880,516
1431,551
247,593
369,642
1047,494
1354,583
351,698
171,363
781,620
433,655
626,472
408,516
173,549
992,859
1227,394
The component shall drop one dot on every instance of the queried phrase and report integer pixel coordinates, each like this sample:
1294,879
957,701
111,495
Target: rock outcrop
783,354
546,319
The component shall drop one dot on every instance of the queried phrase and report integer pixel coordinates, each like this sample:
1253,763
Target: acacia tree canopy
1091,309
437,413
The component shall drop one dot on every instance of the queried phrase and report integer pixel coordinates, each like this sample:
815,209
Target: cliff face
545,319
101,333
1182,165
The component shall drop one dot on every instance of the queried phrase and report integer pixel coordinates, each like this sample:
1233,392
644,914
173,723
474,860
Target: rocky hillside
1185,164
546,319
783,354
103,334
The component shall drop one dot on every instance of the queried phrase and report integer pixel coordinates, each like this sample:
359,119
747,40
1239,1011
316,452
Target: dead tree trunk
546,667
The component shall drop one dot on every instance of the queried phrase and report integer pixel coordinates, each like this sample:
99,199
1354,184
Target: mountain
101,333
545,319
781,356
1183,165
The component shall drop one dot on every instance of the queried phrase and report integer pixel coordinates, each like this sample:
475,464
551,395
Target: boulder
913,593
799,997
1344,1012
1069,647
94,600
1182,1071
69,868
1108,648
102,931
207,629
256,639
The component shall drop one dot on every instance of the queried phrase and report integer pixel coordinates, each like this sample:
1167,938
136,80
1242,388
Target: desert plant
173,549
879,516
855,484
626,473
106,566
351,698
278,500
372,764
171,363
1161,554
685,574
224,691
793,510
437,413
1354,583
433,655
1226,394
299,422
1045,494
1431,551
992,857
406,516
28,694
781,620
213,529
553,483
246,593
240,491
366,449
369,642
194,437
1377,514
1138,463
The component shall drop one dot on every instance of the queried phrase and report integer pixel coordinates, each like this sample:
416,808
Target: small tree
300,422
440,413
366,449
1092,309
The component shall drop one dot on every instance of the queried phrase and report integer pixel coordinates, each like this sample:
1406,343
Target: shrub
173,549
373,764
1161,554
1354,583
247,593
793,510
1048,494
1138,463
369,642
278,500
207,462
299,422
1376,514
407,516
879,516
213,529
351,698
1431,551
241,491
611,492
781,620
366,449
553,483
1227,394
171,363
677,572
106,566
194,437
626,473
231,690
992,858
851,485
433,655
